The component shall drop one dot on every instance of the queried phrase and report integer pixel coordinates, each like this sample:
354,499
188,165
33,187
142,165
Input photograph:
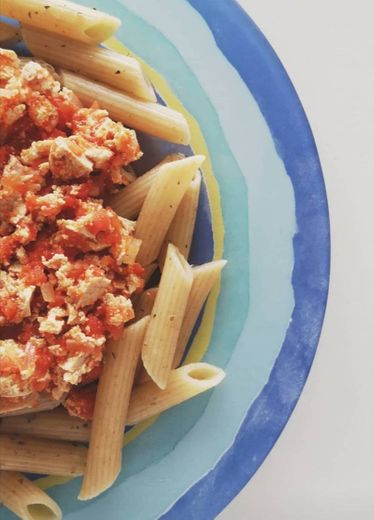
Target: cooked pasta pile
86,346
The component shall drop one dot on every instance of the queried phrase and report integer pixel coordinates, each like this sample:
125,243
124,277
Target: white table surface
322,467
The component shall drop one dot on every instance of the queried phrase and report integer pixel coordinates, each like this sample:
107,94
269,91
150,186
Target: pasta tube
161,204
63,17
150,118
26,405
119,71
185,382
8,34
32,455
112,399
25,499
204,278
161,337
148,272
56,424
182,227
129,201
144,304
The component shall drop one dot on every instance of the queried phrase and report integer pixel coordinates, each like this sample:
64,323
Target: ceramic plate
263,207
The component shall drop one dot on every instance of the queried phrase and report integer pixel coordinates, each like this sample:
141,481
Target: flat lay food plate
263,208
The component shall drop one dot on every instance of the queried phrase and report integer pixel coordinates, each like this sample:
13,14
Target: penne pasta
182,227
148,272
141,374
55,424
129,201
184,383
167,315
146,401
151,118
63,17
119,71
161,204
204,278
26,405
9,35
32,455
112,399
25,499
143,306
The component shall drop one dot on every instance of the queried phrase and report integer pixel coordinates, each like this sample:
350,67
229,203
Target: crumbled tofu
42,112
96,126
127,225
13,289
10,388
16,174
62,276
89,289
38,152
76,335
13,354
58,260
18,213
75,317
65,258
75,367
49,205
52,323
99,156
65,161
39,78
10,64
119,175
11,106
12,208
81,226
78,226
128,249
119,309
25,296
21,254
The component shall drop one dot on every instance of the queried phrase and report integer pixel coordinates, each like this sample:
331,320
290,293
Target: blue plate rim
292,135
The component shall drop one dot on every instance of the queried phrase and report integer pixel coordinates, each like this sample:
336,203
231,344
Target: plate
263,207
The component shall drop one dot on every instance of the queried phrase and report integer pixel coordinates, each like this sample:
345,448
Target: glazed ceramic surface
263,207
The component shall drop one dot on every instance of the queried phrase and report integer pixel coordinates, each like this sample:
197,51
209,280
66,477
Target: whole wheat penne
25,499
182,227
109,67
145,302
183,383
167,315
112,399
63,17
9,34
142,375
161,204
32,455
204,278
26,405
55,424
151,118
148,272
129,201
143,307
